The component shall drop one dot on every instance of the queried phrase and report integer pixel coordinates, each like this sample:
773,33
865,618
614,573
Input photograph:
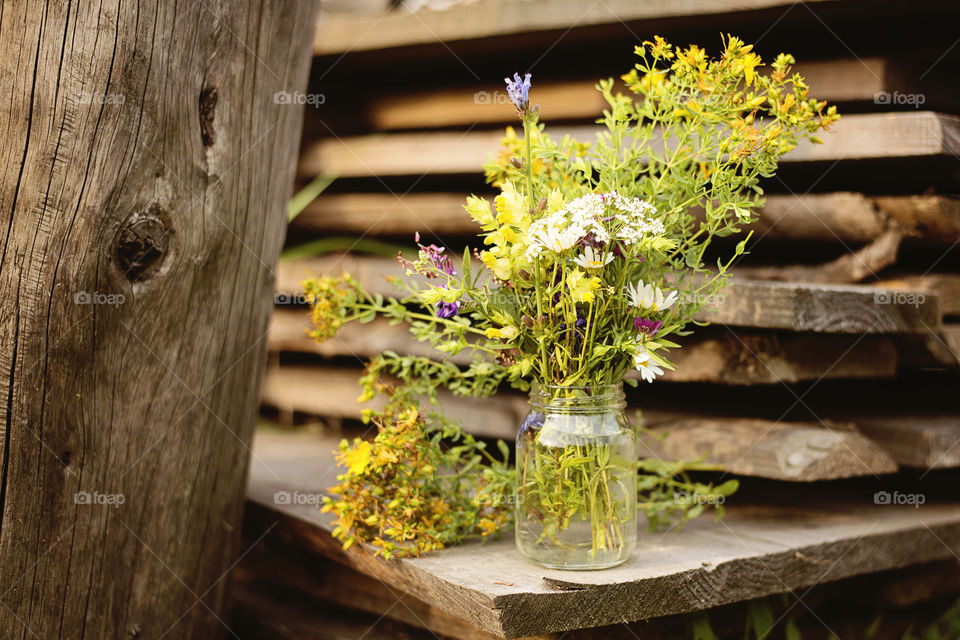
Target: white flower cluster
565,227
635,224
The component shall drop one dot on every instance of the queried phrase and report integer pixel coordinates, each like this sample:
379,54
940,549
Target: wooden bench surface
756,550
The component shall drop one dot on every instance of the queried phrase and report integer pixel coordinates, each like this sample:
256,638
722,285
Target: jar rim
584,398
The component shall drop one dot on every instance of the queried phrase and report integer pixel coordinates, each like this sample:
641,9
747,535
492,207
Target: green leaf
308,194
761,617
700,628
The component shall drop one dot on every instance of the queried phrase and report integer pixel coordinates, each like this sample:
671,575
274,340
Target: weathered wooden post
148,152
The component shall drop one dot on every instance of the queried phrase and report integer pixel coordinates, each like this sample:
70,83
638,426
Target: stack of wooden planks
825,362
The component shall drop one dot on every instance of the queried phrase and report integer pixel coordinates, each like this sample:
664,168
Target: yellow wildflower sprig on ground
419,485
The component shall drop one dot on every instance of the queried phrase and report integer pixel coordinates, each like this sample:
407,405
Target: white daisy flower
648,370
557,239
593,259
650,297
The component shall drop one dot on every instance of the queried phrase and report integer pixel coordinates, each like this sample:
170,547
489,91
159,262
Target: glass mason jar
576,502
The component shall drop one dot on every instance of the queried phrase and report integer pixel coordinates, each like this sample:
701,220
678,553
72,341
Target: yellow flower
499,266
582,287
479,210
357,458
747,64
510,205
506,333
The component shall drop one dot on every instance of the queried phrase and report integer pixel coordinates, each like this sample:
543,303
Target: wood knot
141,244
208,106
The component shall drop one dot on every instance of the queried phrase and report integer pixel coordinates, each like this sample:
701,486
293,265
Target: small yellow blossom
357,458
582,286
505,333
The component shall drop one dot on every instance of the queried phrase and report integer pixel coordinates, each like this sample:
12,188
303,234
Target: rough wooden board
759,448
946,286
757,550
828,217
780,450
849,268
763,305
843,80
710,355
257,615
273,567
855,137
340,34
145,167
926,442
329,391
823,308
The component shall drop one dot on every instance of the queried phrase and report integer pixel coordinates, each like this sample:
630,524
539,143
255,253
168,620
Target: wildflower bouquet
594,257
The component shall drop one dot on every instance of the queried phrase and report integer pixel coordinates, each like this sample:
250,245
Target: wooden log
706,564
800,452
923,134
146,167
710,355
824,308
469,21
329,391
760,448
744,303
829,217
836,81
925,442
849,268
946,286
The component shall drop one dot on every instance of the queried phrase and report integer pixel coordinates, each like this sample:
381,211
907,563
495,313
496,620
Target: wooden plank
850,267
786,306
855,137
823,308
279,572
340,34
759,549
800,452
836,81
946,286
273,567
926,442
711,355
760,448
330,391
260,615
829,217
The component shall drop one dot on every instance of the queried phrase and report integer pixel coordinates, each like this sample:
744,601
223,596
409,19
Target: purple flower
647,326
435,256
446,310
519,92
